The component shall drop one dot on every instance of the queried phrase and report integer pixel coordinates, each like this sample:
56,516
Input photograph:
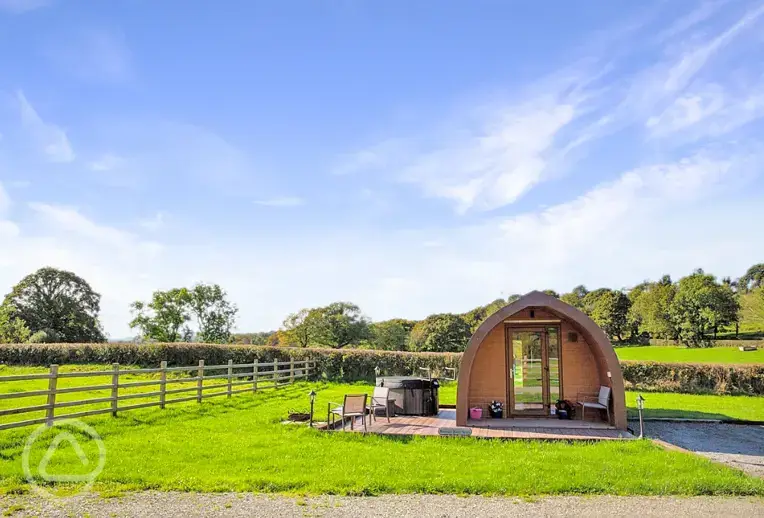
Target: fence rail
259,376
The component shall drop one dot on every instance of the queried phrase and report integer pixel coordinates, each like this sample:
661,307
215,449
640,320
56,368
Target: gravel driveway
422,506
739,446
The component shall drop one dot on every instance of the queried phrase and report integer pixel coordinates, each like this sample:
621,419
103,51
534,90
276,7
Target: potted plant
496,409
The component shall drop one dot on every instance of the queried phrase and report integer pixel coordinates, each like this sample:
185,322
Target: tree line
52,305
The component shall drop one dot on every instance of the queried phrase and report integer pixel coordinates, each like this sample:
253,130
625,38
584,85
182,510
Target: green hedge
716,343
693,378
356,364
333,364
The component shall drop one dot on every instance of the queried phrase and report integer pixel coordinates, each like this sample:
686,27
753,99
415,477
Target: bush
693,378
357,365
715,343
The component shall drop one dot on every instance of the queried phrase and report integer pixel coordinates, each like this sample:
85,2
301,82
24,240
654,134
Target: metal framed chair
600,401
379,400
354,405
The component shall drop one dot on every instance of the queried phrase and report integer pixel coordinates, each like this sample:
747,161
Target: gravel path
739,446
423,506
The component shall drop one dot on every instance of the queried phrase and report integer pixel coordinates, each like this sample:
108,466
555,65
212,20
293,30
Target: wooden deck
546,429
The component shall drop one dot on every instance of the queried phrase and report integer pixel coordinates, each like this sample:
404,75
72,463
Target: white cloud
282,201
22,6
691,62
106,162
49,138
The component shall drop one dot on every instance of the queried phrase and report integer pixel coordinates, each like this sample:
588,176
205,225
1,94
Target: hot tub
412,395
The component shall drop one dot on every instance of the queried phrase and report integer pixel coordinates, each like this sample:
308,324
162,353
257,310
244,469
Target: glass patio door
534,371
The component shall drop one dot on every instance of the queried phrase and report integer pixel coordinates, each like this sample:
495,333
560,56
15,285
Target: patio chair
354,405
599,401
379,400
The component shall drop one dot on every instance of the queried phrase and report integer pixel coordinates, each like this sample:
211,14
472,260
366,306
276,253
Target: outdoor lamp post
376,371
312,395
640,407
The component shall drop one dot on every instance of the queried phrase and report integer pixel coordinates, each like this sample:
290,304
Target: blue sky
412,157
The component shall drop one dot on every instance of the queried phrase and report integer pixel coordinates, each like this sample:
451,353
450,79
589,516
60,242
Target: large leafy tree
215,315
576,297
701,305
391,335
440,333
57,301
302,327
13,330
340,324
164,318
609,311
650,308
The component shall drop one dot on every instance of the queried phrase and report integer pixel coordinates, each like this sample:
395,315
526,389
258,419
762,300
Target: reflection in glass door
527,371
535,370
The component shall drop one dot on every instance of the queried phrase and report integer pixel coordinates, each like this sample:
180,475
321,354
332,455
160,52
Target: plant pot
476,413
496,415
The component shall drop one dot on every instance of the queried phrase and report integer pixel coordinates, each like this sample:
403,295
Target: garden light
640,407
312,395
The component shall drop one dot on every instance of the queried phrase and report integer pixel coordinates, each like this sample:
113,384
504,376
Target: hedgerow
359,364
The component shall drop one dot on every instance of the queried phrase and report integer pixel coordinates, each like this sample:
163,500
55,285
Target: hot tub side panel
488,380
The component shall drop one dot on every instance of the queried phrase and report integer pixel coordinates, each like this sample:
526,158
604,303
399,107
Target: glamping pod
533,353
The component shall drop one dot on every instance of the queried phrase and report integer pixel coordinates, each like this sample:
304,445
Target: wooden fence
259,376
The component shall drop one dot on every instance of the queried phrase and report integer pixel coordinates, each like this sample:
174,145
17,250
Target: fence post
162,383
291,371
275,373
230,376
200,375
114,389
52,382
254,376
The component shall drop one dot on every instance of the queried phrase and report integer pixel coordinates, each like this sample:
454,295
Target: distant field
675,354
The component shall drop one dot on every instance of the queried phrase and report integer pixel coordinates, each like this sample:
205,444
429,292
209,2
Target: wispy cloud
107,162
282,201
22,6
49,138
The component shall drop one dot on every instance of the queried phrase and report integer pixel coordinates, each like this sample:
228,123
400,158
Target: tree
576,297
752,279
478,315
215,315
164,318
700,305
552,293
57,300
513,297
391,335
633,317
650,307
440,333
302,326
340,324
609,311
13,330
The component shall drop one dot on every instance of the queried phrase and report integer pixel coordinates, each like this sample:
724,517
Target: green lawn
675,354
240,445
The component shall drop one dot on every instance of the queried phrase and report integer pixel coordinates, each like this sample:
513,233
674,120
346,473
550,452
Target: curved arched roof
598,341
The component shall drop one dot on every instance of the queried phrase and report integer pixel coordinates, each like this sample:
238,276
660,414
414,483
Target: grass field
675,354
240,445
